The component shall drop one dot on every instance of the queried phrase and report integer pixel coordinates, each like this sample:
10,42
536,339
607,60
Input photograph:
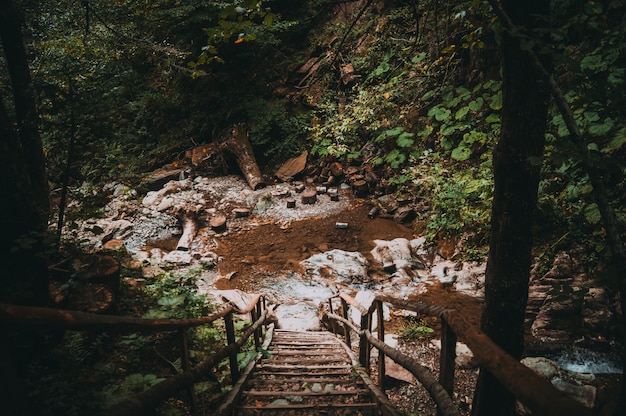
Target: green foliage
237,22
175,295
276,132
131,385
415,328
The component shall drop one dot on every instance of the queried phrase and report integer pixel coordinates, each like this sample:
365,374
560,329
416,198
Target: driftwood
190,228
238,145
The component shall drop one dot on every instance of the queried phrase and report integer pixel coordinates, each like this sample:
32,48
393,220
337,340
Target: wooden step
283,382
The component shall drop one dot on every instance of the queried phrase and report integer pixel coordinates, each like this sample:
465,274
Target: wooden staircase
307,373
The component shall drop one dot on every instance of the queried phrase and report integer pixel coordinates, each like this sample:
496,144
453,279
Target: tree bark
525,105
239,146
24,104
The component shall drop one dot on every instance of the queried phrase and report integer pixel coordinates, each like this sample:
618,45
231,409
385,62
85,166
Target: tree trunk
239,146
516,173
24,104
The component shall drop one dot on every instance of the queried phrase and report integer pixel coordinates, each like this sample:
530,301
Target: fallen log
190,229
237,144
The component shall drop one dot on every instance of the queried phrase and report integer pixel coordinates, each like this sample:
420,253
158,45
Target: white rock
344,266
178,257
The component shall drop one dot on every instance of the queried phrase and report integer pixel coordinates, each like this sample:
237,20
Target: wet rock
114,245
236,297
344,266
387,204
395,255
118,229
569,382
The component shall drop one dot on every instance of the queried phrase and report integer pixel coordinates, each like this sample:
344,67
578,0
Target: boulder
292,167
342,266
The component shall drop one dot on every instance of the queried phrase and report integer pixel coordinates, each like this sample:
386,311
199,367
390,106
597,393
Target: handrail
436,391
75,320
537,393
147,400
142,403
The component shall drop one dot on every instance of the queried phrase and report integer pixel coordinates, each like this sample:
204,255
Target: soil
277,247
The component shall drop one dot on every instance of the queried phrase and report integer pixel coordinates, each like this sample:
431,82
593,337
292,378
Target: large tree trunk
516,172
24,105
24,184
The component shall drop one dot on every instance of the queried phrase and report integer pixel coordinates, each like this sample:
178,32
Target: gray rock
178,257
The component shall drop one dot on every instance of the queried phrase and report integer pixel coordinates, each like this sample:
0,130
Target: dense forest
502,119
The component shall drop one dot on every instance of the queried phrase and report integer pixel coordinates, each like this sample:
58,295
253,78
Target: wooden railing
535,392
148,400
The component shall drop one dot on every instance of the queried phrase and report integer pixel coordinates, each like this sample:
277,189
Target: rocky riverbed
299,253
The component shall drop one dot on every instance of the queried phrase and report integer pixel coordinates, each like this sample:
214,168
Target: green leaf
496,101
419,57
601,129
593,63
439,113
591,116
618,140
461,153
172,300
405,140
493,118
592,214
477,104
461,112
394,132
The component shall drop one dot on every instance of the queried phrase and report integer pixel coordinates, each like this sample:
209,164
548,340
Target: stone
299,317
569,382
177,257
404,215
292,167
114,245
345,266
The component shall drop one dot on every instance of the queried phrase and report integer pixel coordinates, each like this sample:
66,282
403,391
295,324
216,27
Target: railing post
447,357
364,350
254,315
230,337
346,328
333,324
184,363
381,336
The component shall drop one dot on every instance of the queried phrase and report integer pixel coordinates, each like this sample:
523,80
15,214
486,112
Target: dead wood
309,197
190,229
218,223
237,144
